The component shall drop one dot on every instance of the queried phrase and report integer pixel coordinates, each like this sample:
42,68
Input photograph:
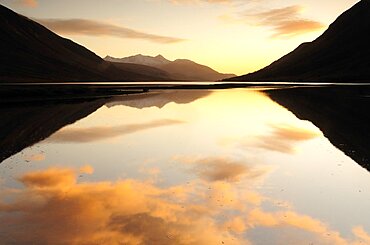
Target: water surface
179,167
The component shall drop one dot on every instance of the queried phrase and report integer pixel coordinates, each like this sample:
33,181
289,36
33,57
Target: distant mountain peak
180,69
184,60
141,59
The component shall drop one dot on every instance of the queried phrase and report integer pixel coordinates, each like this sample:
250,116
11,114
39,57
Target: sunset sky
233,36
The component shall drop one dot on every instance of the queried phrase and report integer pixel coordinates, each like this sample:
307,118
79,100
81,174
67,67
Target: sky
231,36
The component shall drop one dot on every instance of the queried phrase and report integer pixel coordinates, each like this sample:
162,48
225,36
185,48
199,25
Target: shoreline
48,92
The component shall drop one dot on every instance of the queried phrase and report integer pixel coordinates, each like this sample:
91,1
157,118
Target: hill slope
341,54
179,69
31,52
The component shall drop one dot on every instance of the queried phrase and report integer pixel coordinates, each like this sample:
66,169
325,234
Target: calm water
185,167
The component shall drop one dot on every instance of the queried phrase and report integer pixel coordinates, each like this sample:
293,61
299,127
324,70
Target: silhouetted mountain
31,52
148,73
342,114
180,69
341,54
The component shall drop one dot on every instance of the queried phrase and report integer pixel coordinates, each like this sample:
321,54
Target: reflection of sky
230,167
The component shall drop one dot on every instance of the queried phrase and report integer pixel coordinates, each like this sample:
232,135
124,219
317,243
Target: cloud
26,3
96,28
286,22
85,135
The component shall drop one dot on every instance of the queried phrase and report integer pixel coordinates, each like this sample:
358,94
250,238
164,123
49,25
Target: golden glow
231,36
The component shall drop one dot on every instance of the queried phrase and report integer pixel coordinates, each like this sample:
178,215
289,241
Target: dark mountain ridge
341,54
30,52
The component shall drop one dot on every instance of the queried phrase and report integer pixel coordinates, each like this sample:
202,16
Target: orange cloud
296,27
95,28
26,3
286,22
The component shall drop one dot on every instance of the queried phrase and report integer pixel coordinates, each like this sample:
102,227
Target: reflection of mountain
30,52
159,99
180,69
342,114
24,125
341,54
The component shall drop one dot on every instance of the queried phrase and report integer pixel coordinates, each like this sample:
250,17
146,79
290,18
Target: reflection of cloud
283,138
223,169
285,21
87,169
49,178
258,217
96,28
291,133
83,135
220,168
53,206
363,236
35,157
